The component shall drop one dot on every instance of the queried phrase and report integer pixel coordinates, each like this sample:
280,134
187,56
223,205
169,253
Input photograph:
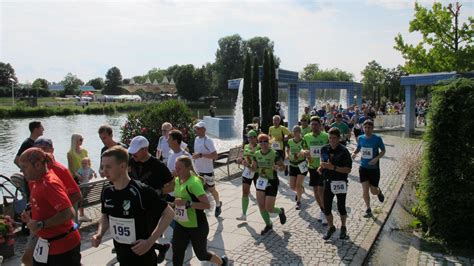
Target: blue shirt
369,149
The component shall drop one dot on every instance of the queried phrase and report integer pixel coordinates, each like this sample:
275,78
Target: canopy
88,93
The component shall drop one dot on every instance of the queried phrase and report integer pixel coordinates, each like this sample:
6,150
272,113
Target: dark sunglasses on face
263,141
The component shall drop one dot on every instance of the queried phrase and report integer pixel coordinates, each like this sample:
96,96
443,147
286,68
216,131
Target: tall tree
71,84
156,74
392,81
313,72
273,81
201,82
229,61
257,45
446,44
6,73
247,92
40,83
185,82
309,71
113,79
97,83
373,80
267,97
255,89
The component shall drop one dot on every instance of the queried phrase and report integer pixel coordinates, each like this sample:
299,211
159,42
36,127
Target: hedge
447,185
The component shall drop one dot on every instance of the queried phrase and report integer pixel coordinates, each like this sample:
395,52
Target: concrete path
299,241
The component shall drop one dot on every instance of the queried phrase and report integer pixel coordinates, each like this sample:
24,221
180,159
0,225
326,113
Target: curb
414,250
364,250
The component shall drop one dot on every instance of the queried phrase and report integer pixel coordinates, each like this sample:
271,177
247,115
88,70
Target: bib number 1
41,251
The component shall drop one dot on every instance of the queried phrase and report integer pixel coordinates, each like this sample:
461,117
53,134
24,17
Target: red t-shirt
48,197
65,176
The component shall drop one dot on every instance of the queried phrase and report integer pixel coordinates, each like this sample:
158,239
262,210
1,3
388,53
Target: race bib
247,173
123,230
262,183
315,151
181,214
366,153
338,187
209,180
41,251
276,145
303,166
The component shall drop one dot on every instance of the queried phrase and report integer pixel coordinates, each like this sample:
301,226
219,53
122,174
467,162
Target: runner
134,212
163,149
175,141
191,222
72,190
204,155
51,213
369,171
335,167
312,146
248,175
298,164
345,132
106,135
278,135
305,128
36,131
266,162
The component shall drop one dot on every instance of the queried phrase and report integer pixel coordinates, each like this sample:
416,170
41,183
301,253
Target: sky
48,39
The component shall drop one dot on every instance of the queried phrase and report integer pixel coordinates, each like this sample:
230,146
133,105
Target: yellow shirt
75,164
276,136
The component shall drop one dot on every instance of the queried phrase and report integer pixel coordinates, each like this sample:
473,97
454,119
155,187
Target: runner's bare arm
168,187
103,227
60,218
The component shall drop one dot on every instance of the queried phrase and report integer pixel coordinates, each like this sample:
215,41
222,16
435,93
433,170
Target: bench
229,157
91,192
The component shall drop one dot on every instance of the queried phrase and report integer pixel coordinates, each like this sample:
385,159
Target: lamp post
13,90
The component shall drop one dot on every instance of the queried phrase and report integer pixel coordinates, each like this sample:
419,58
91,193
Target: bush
447,186
148,122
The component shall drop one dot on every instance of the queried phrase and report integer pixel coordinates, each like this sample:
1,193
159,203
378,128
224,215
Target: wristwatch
334,168
200,155
188,204
40,224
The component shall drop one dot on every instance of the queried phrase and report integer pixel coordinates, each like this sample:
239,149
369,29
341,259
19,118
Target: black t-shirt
339,157
28,143
137,202
152,172
118,143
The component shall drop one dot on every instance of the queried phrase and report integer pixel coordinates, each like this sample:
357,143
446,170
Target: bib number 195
121,230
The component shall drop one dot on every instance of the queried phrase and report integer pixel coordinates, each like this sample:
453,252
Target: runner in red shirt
51,213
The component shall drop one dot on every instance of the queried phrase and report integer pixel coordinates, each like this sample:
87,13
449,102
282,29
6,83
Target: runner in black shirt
146,168
107,137
133,211
36,131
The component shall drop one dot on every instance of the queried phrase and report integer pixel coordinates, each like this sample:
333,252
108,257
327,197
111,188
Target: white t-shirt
172,159
204,145
165,148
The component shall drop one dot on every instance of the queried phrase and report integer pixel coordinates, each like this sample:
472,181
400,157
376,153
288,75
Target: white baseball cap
137,143
200,124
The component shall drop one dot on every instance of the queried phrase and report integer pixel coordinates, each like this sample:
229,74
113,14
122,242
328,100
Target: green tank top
249,153
265,163
195,186
295,148
314,144
305,130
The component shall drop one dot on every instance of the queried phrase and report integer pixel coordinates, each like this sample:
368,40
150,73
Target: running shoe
243,217
163,249
218,209
296,197
368,213
343,234
329,233
267,229
225,260
298,205
381,196
321,215
324,221
282,216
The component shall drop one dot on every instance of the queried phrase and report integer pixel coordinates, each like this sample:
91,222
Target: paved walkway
299,241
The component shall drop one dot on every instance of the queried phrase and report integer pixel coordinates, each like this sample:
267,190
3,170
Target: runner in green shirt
305,128
247,176
312,145
191,222
298,164
265,163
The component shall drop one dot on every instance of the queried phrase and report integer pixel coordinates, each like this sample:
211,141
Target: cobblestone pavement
299,241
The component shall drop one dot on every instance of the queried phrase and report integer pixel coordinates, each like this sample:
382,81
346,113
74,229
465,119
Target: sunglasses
263,141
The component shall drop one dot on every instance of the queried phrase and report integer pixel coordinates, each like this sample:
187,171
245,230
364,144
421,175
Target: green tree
373,79
229,61
40,83
313,72
247,92
139,79
201,82
392,82
113,79
446,44
257,45
156,74
309,71
266,95
185,82
71,84
273,81
6,73
97,83
255,89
